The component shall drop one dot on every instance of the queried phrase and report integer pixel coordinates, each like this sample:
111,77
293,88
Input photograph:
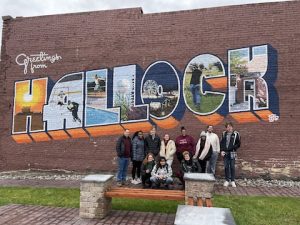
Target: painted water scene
97,112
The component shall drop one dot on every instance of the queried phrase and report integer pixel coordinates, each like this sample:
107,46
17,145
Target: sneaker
233,184
133,181
226,183
138,181
119,184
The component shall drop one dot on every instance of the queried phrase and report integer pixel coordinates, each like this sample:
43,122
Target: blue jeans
195,90
122,170
229,164
211,167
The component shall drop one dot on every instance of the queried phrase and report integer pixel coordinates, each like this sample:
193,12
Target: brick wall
107,39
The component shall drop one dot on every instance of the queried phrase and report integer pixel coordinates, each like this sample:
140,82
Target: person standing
123,148
195,85
152,143
215,143
167,149
229,144
138,155
203,151
183,143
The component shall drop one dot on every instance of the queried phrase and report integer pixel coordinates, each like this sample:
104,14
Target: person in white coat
203,151
161,174
215,143
167,149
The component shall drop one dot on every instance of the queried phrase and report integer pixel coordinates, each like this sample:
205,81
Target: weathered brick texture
106,39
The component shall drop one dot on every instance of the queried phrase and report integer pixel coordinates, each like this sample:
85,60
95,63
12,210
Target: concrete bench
96,193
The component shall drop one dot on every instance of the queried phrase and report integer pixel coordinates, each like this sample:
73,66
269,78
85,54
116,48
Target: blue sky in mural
91,75
159,72
262,50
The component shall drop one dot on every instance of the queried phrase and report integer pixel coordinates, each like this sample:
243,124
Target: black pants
203,165
146,179
136,169
179,156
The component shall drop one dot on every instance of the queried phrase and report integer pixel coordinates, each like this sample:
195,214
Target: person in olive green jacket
146,170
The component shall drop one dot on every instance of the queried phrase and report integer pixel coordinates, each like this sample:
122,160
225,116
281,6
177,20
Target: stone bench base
93,202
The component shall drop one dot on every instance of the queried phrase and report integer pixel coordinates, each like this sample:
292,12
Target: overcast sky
45,7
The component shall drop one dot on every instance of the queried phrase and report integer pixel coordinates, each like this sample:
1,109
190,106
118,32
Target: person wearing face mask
167,149
184,142
152,143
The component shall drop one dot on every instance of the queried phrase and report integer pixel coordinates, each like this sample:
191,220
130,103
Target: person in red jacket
183,143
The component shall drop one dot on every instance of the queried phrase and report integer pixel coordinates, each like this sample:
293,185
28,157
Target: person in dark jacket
229,145
73,108
147,167
138,155
204,151
152,143
195,84
183,143
123,148
188,165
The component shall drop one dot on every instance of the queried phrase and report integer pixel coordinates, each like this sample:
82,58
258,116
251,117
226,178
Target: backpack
167,166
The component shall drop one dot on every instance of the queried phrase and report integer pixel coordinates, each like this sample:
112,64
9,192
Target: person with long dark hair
137,157
161,173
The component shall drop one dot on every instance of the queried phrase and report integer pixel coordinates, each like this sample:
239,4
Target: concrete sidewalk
42,215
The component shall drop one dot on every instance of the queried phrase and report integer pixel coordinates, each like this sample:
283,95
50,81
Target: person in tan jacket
167,149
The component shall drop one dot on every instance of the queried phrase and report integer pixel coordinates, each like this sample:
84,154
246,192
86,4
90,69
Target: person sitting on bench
146,169
162,173
188,165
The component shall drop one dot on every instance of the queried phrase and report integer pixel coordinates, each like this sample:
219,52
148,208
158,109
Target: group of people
152,158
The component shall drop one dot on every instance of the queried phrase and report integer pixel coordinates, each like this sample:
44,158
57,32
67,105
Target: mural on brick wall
201,68
105,101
